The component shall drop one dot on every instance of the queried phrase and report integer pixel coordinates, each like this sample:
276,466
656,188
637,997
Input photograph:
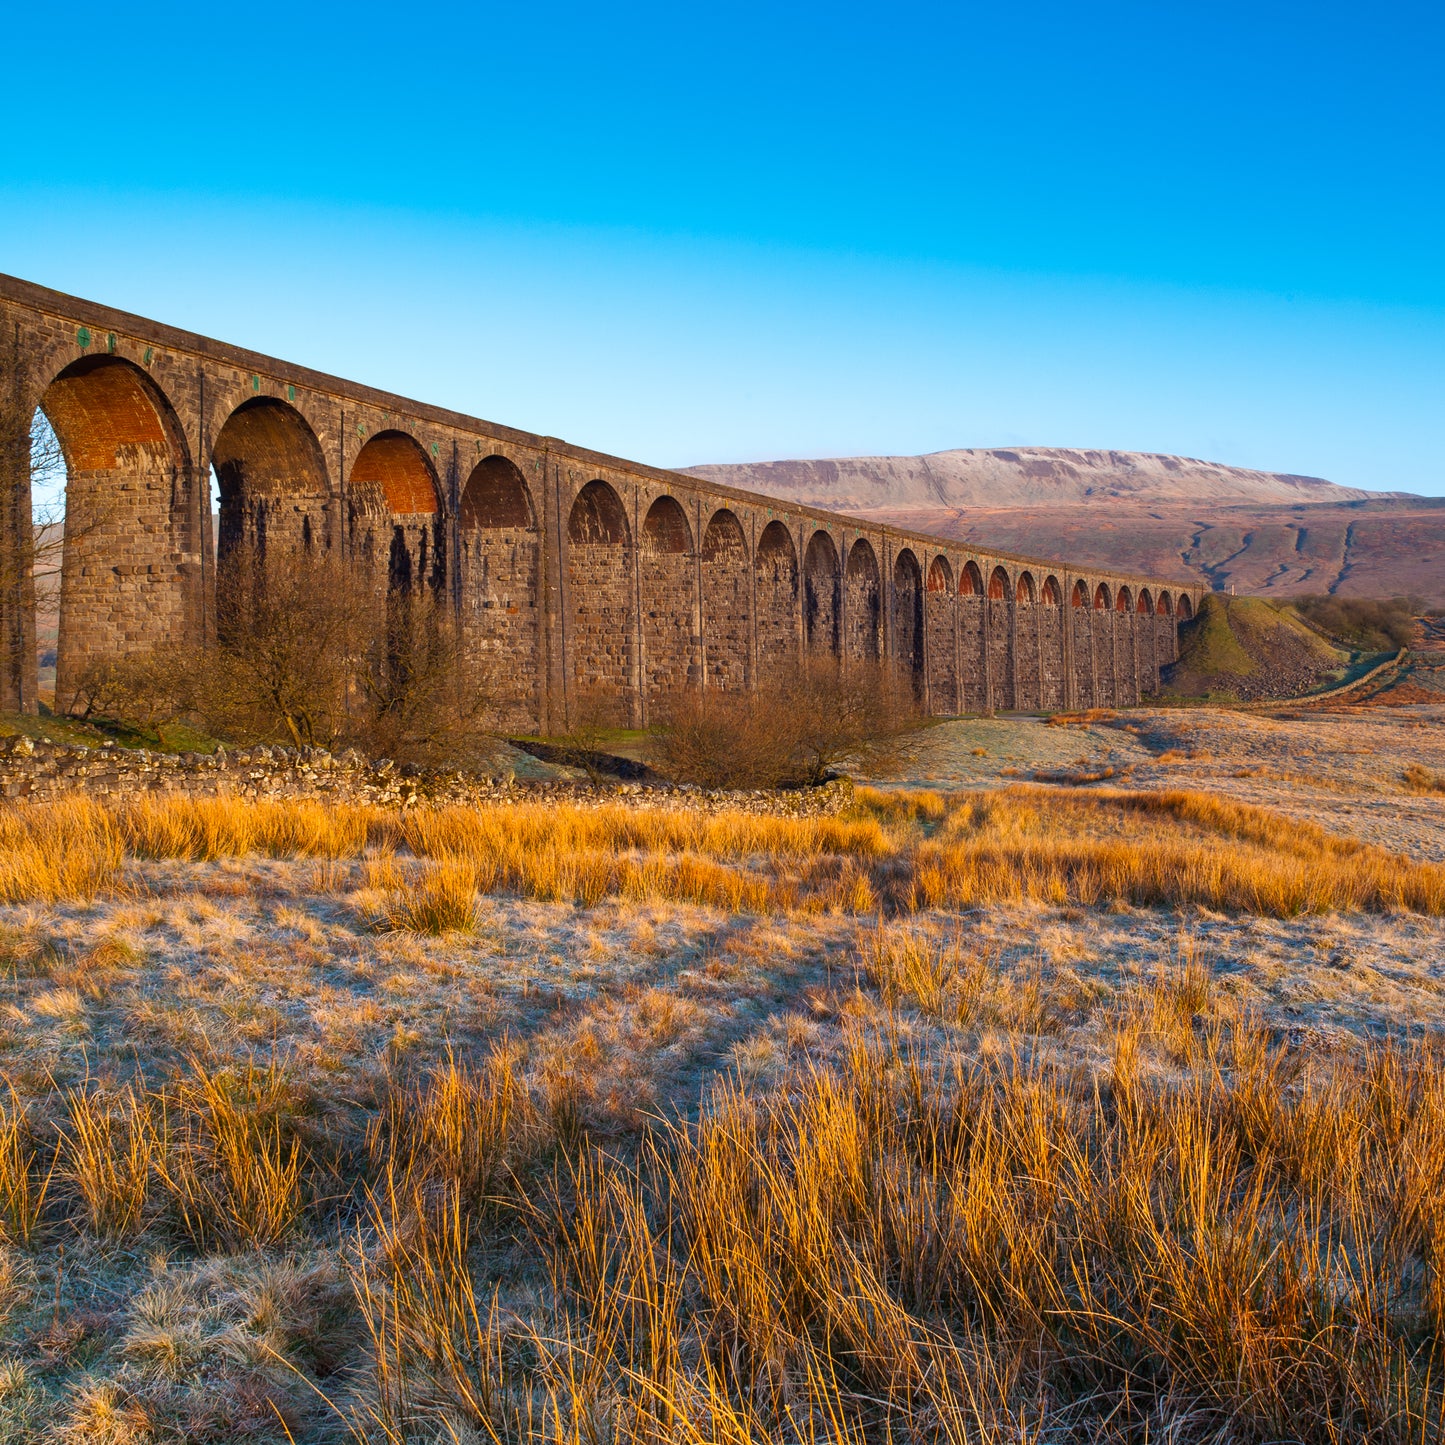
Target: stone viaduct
580,576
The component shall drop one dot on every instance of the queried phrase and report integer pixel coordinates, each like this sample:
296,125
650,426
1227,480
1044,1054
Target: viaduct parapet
578,575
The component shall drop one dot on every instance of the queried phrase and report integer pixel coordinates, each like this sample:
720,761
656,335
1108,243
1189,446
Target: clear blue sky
711,233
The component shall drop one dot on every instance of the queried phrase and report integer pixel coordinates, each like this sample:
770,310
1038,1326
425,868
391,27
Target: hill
1248,648
1264,533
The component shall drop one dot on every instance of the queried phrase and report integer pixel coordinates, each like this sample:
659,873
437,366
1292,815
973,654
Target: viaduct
578,575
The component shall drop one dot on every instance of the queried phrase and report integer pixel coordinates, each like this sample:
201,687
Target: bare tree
791,732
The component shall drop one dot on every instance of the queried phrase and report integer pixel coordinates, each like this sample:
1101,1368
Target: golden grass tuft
989,1254
892,851
440,899
111,1148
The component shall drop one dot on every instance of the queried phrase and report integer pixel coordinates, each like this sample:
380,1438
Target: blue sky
693,233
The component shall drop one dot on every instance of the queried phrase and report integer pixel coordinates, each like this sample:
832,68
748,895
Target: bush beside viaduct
579,576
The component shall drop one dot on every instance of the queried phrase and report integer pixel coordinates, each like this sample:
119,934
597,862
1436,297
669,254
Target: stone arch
1081,621
667,574
273,481
131,569
1053,656
908,615
941,637
393,474
1027,644
1102,599
1166,632
496,497
972,641
598,518
1184,609
775,567
999,630
1146,642
393,492
864,607
499,550
601,640
821,596
665,530
1124,602
725,592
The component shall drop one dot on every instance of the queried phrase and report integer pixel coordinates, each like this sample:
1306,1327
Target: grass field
1027,1113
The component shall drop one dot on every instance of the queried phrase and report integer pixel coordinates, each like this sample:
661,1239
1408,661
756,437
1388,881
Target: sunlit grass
898,851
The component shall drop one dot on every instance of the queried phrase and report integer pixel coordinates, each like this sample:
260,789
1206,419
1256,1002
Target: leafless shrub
308,655
792,732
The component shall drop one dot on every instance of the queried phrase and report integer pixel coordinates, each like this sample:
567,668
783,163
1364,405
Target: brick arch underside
601,629
776,574
130,576
822,596
498,554
726,599
863,608
667,569
940,616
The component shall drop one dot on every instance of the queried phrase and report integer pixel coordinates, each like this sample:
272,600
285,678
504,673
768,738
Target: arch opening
1165,606
1125,600
1146,603
864,603
908,616
726,589
821,596
1101,597
123,516
272,478
392,475
1052,597
999,639
602,641
1184,608
597,518
1024,592
498,550
941,638
665,528
496,495
667,578
776,570
970,581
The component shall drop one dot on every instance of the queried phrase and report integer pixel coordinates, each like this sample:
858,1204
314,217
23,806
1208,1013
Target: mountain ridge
1024,476
1154,514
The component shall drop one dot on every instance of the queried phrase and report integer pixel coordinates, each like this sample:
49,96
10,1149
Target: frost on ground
619,1015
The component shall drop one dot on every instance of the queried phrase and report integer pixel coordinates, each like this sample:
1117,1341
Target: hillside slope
1248,648
1265,533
